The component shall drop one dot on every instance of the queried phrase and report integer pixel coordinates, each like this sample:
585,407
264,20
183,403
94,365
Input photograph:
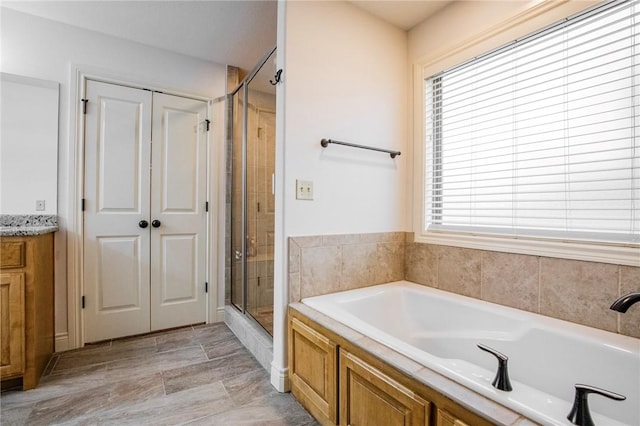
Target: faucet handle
501,381
579,414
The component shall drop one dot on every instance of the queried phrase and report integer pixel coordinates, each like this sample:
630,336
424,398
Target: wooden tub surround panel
344,378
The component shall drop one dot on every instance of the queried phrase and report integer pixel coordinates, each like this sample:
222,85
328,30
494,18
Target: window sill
615,254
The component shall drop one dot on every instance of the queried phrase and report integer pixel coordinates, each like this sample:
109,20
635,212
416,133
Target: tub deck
440,331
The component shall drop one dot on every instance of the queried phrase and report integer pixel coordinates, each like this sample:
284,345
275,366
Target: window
541,138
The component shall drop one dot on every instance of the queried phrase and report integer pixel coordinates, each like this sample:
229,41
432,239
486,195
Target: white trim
75,226
78,75
216,209
280,378
544,13
280,363
62,342
219,316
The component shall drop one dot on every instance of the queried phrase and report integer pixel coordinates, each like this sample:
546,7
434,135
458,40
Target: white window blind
540,138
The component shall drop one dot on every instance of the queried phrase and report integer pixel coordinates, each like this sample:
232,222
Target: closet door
178,218
117,191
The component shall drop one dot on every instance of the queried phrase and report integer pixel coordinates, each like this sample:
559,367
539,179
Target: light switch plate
304,189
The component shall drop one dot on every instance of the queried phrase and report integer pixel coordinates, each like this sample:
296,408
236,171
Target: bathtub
547,357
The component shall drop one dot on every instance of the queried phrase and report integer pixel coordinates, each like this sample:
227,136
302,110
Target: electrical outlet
40,205
304,190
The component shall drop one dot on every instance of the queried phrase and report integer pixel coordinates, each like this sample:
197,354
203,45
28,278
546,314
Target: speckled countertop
27,224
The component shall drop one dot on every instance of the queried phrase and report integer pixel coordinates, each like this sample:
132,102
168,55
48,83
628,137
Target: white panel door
178,215
116,248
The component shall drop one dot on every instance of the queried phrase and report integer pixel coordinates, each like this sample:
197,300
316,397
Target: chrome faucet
624,302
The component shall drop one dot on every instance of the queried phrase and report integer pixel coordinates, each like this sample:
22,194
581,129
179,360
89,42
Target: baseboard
280,378
219,316
62,342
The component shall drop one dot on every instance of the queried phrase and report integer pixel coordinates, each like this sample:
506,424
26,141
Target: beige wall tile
359,265
579,292
320,270
630,282
294,256
304,242
294,288
459,270
391,261
382,237
341,239
421,265
510,280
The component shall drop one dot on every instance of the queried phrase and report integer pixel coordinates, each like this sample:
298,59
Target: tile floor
199,375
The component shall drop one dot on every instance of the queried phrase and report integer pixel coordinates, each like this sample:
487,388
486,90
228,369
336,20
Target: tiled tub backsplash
571,290
330,263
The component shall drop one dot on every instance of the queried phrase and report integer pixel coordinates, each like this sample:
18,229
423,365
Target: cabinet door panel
313,371
11,324
12,255
369,397
446,419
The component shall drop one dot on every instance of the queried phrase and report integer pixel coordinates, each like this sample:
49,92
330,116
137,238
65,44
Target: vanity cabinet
26,307
11,323
368,397
341,383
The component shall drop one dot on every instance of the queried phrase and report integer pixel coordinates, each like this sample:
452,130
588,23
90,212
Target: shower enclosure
250,194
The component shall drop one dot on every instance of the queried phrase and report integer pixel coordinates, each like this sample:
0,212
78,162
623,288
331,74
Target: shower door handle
238,255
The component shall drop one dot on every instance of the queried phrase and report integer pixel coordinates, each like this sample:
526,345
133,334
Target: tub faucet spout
624,302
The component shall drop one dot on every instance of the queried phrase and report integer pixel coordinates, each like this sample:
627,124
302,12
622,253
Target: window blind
540,138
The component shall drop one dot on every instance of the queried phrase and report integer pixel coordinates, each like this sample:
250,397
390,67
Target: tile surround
576,291
330,263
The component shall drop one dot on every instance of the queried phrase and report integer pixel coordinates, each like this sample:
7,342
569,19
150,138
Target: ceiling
222,31
402,13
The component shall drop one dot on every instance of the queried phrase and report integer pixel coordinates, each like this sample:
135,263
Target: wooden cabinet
444,418
342,383
26,307
11,323
370,397
313,371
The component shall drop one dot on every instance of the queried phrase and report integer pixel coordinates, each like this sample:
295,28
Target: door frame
75,186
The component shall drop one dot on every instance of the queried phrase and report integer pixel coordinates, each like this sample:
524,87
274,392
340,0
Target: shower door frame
244,86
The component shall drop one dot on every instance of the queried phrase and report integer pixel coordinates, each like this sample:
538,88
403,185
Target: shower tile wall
576,291
260,202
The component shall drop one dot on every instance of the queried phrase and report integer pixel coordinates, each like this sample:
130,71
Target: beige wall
575,291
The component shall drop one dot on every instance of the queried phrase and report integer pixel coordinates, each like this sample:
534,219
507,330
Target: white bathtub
547,357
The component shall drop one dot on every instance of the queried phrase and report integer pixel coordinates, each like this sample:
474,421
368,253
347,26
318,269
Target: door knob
143,224
156,223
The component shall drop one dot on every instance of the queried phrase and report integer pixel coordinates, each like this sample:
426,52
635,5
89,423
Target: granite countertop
25,225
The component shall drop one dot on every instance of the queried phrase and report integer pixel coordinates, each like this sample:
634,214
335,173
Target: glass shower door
237,194
260,199
250,193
